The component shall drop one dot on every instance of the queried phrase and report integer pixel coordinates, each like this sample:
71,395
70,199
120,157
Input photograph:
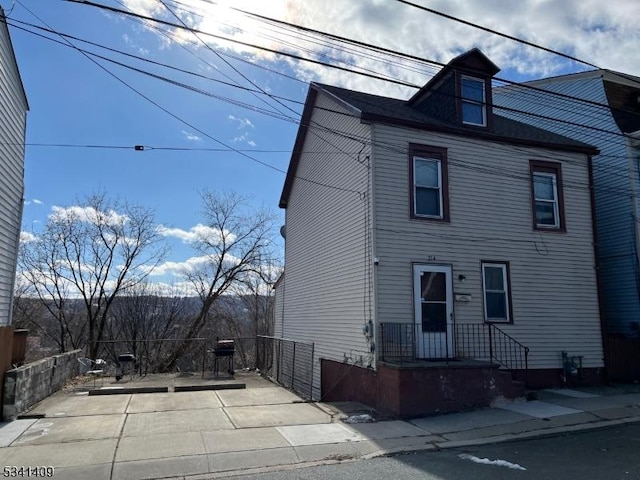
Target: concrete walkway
210,434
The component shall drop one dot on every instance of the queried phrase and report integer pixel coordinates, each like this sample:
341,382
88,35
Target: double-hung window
495,286
429,190
473,101
546,195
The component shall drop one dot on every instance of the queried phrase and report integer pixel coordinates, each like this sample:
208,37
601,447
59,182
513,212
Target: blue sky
73,101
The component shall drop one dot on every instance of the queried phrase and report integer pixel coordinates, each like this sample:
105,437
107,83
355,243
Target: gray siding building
435,250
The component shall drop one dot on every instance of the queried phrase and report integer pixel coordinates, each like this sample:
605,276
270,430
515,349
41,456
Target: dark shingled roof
376,108
392,111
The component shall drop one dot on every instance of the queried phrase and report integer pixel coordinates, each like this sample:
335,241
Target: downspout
375,260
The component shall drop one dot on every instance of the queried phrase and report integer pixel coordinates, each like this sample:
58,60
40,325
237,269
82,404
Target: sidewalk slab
161,468
163,402
299,435
387,429
156,423
538,409
243,439
262,396
9,431
220,462
329,451
531,425
94,472
276,415
595,403
71,454
369,447
160,446
617,412
455,422
69,405
568,392
72,429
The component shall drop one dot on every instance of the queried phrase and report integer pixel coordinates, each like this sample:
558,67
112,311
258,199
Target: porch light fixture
462,278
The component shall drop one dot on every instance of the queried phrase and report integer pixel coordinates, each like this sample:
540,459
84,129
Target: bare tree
144,321
89,254
232,247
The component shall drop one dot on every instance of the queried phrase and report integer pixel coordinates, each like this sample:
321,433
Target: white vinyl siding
327,298
553,284
12,137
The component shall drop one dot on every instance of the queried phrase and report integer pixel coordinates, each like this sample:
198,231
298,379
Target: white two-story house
436,250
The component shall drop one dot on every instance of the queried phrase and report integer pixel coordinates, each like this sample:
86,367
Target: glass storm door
433,304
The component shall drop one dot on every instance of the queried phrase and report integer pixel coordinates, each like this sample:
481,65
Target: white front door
433,306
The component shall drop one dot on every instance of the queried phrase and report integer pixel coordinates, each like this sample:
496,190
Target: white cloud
86,214
197,233
243,122
602,33
190,136
37,202
26,237
179,268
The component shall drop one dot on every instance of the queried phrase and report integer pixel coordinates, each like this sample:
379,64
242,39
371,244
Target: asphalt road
608,454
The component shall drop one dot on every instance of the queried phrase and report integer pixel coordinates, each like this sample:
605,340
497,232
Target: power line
239,42
157,105
495,32
342,39
364,140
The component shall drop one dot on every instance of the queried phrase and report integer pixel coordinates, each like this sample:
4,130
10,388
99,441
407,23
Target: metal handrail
398,343
503,361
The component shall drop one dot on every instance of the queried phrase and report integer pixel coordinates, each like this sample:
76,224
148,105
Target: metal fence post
204,355
293,366
312,362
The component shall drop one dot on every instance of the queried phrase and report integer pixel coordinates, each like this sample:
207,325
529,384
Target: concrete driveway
199,435
158,435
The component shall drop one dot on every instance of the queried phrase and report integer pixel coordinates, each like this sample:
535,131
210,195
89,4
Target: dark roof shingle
396,111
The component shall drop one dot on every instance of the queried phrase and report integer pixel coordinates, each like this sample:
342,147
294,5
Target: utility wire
343,39
527,112
402,149
500,34
176,117
247,79
239,42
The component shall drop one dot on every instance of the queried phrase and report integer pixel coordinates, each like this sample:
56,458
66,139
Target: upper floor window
473,100
429,190
547,198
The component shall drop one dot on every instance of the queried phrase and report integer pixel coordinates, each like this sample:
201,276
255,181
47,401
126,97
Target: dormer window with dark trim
473,101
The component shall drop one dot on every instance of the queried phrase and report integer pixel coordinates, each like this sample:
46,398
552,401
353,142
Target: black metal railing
407,342
288,362
486,341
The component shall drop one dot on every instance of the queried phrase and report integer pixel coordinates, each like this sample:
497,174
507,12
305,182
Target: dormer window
473,100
